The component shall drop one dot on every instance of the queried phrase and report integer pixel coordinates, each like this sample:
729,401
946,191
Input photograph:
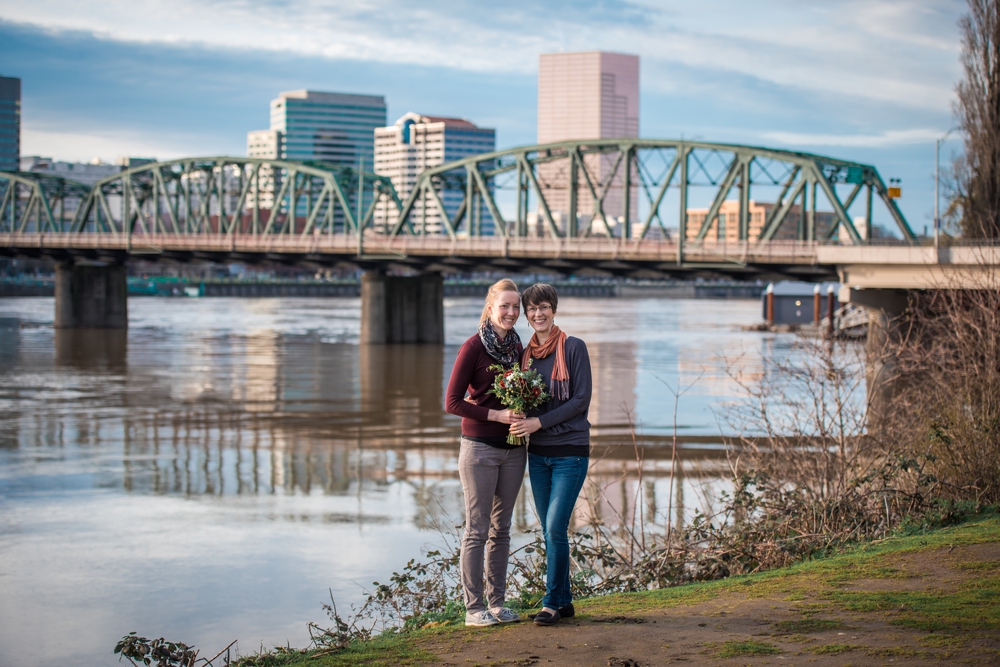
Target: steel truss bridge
622,206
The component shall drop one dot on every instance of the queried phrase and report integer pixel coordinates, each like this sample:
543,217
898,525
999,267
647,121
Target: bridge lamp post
937,185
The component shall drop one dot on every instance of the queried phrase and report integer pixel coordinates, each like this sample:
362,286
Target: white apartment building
264,144
416,142
588,95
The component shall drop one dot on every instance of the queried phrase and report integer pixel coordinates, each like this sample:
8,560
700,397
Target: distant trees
977,172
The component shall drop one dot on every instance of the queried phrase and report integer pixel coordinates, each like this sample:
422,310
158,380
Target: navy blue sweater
565,428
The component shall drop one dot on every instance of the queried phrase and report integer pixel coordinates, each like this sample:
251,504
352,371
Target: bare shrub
946,389
803,419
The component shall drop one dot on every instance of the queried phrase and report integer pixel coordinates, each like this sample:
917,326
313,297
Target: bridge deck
863,267
429,252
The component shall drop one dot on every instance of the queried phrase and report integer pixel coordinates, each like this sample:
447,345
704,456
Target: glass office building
10,123
331,127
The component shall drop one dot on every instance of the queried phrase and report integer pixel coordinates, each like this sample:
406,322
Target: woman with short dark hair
559,448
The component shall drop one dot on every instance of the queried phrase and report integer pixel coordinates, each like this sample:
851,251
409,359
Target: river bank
922,599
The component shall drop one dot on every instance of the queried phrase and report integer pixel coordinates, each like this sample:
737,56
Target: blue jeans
555,483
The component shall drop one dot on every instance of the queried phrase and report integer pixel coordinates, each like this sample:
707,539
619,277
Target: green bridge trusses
570,189
648,169
38,202
217,195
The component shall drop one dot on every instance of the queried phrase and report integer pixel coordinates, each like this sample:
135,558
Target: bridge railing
386,247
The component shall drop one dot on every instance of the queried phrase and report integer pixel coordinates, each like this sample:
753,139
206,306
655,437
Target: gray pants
491,478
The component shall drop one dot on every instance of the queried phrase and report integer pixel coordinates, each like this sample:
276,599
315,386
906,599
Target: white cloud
105,144
888,138
892,51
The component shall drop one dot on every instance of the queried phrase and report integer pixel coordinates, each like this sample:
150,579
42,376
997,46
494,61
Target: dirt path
923,606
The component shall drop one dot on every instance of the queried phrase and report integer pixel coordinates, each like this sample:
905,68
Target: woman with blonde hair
491,470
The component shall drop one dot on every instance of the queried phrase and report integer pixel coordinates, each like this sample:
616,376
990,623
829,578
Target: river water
210,474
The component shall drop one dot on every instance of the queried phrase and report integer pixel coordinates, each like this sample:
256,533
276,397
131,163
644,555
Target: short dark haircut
540,293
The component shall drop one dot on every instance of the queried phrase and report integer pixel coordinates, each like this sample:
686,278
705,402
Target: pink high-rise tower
589,95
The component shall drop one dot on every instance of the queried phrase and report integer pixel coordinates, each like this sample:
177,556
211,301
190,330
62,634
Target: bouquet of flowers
519,391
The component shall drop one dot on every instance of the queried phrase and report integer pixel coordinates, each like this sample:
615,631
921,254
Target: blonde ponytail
496,289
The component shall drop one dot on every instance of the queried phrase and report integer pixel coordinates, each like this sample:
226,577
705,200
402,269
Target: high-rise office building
416,142
330,127
10,123
315,126
589,95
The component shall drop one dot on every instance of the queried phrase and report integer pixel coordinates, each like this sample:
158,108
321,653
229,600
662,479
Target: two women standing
492,470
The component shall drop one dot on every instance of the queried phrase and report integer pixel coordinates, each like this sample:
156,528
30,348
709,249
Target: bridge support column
91,296
398,309
885,308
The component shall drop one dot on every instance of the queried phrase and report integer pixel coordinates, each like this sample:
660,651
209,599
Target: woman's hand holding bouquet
519,391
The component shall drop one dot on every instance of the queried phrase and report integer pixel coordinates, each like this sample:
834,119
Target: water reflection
240,457
91,349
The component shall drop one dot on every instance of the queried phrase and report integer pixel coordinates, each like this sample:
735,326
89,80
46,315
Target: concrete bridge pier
402,309
91,296
885,310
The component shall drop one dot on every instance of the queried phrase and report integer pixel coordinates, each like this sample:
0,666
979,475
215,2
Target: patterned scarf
556,342
503,349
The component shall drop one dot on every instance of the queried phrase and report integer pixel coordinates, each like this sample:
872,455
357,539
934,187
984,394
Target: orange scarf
556,342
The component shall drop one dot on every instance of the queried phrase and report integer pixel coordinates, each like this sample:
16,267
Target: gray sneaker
480,619
505,615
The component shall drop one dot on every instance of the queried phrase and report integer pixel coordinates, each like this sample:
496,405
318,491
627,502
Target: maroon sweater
471,373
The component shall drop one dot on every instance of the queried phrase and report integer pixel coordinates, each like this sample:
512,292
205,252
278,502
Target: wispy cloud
869,80
887,138
888,50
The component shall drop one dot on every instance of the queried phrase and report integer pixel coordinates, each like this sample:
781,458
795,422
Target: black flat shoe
547,618
564,612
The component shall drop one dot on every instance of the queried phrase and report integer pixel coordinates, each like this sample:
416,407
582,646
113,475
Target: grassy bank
925,597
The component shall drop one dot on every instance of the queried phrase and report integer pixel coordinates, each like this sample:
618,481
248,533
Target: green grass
816,586
750,647
808,625
831,649
386,651
940,641
980,566
974,606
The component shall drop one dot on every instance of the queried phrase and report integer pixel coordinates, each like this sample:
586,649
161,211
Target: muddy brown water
209,474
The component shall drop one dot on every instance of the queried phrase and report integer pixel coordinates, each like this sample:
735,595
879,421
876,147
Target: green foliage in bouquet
519,391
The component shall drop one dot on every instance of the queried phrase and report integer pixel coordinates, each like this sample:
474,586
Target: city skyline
871,82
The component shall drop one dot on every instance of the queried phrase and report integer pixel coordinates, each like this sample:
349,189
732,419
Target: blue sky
871,81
